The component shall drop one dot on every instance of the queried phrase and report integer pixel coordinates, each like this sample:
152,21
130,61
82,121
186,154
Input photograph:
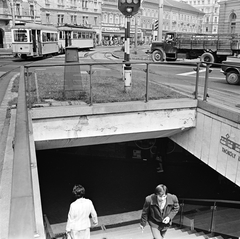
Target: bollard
72,74
127,78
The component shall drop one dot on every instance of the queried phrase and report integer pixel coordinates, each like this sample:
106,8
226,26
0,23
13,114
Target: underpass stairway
133,231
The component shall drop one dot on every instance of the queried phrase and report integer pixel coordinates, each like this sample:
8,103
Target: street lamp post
13,12
160,19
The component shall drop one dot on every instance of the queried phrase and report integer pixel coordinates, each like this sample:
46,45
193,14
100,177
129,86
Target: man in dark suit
159,210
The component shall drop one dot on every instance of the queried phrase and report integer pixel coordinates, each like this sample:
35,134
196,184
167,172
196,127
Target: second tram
34,40
80,37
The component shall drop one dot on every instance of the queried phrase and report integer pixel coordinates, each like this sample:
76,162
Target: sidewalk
4,52
138,53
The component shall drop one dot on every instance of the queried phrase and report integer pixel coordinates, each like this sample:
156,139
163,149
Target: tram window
87,35
90,35
44,36
48,36
20,36
53,37
83,35
75,36
79,35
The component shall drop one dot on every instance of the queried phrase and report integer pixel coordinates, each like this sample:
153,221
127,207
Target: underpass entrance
117,177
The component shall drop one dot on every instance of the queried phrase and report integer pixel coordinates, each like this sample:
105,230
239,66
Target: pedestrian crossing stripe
190,73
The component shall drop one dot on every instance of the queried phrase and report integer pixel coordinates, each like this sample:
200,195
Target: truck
212,48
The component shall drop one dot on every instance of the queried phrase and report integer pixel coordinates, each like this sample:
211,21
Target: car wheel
233,78
158,55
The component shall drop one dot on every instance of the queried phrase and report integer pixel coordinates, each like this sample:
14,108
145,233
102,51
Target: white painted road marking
190,73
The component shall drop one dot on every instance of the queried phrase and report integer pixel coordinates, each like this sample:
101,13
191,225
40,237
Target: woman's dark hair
161,189
78,191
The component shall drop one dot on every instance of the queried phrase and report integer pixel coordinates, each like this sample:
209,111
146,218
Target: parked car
231,69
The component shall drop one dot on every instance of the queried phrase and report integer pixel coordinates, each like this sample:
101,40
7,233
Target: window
17,9
110,18
116,19
232,20
75,35
20,36
31,10
85,20
60,19
47,18
105,18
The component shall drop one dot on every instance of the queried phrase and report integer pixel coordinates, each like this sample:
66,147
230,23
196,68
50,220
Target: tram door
68,41
1,38
39,45
34,42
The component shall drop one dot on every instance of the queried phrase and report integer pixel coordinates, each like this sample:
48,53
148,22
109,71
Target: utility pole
136,30
160,20
13,12
34,11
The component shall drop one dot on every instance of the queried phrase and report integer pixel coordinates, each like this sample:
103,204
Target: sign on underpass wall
230,147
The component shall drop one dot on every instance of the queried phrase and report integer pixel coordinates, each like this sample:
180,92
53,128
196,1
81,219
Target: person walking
159,209
78,222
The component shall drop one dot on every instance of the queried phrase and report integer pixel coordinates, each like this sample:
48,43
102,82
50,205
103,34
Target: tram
34,40
75,36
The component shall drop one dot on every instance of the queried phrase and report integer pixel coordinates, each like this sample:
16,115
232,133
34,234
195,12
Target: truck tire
233,78
158,55
207,57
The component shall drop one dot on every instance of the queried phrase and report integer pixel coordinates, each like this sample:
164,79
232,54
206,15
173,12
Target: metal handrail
214,202
91,64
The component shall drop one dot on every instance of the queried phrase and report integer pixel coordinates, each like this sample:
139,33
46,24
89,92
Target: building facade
229,17
102,15
211,10
75,12
14,11
177,16
5,19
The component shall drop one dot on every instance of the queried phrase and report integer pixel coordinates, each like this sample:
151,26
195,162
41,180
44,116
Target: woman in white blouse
78,223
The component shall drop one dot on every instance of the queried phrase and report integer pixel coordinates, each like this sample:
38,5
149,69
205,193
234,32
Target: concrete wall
109,123
216,141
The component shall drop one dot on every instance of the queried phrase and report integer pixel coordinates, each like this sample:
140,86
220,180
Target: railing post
181,212
147,83
90,85
28,87
197,80
205,94
212,218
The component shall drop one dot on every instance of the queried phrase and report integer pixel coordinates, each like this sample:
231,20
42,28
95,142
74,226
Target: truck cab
166,49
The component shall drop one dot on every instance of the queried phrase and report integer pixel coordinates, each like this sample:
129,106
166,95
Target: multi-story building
5,18
104,17
14,11
50,12
229,17
177,16
211,10
76,12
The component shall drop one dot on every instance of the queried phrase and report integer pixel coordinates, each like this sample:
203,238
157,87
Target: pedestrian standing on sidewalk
159,210
78,223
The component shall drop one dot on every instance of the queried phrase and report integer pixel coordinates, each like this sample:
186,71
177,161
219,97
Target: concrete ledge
222,111
111,108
